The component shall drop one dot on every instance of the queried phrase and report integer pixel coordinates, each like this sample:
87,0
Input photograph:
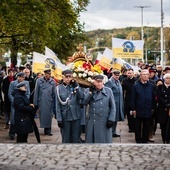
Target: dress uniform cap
21,84
98,77
67,72
47,70
21,74
116,72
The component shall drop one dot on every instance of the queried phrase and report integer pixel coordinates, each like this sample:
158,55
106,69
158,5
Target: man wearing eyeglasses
142,103
44,96
68,110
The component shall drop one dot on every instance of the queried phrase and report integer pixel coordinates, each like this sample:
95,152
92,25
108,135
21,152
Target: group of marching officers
141,99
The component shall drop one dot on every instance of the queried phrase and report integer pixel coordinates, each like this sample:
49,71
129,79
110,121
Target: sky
109,14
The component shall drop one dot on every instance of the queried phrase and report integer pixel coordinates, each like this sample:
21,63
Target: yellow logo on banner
118,52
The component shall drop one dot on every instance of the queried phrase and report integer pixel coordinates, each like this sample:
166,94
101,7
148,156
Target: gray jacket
68,103
118,95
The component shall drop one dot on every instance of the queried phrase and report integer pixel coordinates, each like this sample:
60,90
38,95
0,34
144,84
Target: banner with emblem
132,49
42,62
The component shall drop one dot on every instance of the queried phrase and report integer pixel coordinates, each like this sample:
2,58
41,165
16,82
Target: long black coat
163,94
23,113
142,99
5,87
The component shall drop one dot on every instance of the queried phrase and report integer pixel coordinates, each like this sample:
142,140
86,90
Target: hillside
102,38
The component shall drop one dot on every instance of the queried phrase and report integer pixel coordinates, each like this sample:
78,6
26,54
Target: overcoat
118,95
142,99
100,109
163,94
12,86
5,88
24,113
44,95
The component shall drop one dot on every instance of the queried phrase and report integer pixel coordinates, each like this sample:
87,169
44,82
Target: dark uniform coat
100,109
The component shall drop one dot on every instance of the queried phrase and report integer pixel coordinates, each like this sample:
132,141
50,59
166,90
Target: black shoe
115,135
151,140
81,140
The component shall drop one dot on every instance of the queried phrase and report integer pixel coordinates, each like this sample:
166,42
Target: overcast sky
108,14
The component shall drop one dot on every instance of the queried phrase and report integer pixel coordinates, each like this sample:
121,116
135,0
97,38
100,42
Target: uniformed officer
100,112
44,96
68,110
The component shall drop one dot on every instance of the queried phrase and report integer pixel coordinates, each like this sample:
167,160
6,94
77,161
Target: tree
30,25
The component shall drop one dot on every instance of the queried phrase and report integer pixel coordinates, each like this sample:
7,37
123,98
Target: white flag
51,54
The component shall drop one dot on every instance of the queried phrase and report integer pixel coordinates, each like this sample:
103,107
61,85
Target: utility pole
142,32
162,41
142,7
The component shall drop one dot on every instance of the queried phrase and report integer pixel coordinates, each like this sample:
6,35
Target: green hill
101,38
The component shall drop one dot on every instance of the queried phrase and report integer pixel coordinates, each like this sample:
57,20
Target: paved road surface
122,154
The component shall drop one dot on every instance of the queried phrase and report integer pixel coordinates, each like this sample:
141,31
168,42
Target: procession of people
138,98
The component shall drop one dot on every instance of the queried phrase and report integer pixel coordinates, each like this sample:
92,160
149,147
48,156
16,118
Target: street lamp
142,32
162,18
142,7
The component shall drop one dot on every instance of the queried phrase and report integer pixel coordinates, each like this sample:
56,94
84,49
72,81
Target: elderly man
100,112
44,96
142,102
68,110
117,91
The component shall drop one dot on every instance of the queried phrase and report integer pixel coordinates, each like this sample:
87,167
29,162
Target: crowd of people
142,98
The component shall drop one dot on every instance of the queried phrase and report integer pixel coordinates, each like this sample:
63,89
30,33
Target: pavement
122,154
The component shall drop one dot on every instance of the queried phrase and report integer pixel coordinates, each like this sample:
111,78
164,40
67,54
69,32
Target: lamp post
162,18
142,7
142,32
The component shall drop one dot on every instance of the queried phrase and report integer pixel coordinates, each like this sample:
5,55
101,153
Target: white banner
127,48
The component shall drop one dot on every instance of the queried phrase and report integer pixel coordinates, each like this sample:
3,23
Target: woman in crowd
24,113
163,94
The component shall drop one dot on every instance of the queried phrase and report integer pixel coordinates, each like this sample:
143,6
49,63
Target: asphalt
123,153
